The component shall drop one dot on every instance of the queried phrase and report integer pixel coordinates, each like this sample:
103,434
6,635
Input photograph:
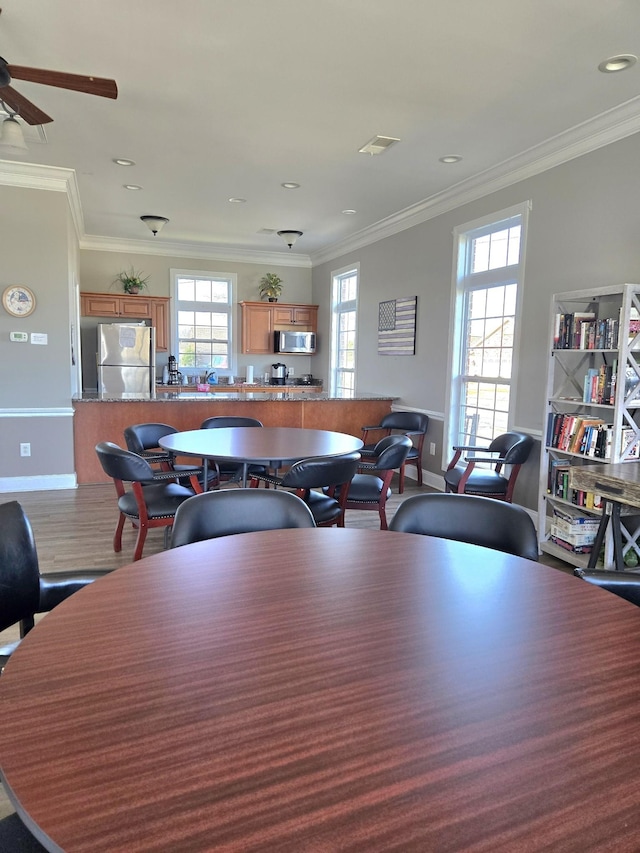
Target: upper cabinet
261,319
123,307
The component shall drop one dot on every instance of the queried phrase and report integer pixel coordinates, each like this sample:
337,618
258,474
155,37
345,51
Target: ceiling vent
378,145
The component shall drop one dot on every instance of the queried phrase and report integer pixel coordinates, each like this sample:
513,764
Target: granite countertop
203,396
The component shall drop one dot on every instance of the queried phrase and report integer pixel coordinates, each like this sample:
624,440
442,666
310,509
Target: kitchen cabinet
123,307
261,319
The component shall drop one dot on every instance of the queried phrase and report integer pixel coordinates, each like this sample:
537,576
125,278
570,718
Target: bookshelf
591,415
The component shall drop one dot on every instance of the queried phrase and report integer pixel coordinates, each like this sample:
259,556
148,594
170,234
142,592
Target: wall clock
18,300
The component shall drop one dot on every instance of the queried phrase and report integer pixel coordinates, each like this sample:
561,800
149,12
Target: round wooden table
272,446
326,690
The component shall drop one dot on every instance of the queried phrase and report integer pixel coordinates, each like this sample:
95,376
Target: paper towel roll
249,378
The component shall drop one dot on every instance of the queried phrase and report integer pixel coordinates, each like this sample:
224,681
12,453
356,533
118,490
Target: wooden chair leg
401,484
142,535
117,536
383,519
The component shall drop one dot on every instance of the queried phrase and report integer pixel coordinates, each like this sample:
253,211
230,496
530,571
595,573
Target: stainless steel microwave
296,342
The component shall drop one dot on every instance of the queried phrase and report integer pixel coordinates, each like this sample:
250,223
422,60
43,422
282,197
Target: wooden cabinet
261,319
154,308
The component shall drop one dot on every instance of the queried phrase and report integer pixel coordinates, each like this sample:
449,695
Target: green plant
270,286
131,281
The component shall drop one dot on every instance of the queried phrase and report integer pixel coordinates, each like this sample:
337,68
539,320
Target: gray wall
584,230
35,383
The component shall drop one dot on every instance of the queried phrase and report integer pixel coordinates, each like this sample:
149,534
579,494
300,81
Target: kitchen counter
97,420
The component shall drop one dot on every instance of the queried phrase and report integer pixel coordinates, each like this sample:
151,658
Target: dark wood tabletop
329,690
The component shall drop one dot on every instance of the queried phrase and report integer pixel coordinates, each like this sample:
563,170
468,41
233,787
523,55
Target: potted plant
270,286
132,282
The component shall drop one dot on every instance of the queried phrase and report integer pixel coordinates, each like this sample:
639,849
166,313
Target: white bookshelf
614,352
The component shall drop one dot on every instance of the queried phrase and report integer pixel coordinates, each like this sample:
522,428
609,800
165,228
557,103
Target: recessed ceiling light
290,185
132,187
237,200
349,212
451,158
120,161
617,63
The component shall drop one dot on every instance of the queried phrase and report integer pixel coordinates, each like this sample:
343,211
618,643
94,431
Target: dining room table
270,446
328,690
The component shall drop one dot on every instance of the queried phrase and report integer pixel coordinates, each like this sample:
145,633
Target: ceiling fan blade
24,108
76,82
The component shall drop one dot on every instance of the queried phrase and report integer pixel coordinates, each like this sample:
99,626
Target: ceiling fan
28,111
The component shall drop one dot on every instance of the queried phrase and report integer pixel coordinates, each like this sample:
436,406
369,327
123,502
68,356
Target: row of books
582,330
558,486
572,531
600,384
575,433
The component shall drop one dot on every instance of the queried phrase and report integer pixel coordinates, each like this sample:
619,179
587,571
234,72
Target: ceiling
223,99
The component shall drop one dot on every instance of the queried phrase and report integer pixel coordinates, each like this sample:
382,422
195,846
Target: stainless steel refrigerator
126,361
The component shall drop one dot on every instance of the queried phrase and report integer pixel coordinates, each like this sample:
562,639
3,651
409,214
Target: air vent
378,145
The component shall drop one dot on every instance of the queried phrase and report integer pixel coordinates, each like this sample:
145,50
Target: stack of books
572,531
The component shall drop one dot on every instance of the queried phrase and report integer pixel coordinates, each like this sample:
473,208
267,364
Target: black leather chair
370,488
16,838
143,439
25,591
224,513
511,449
624,584
154,496
229,471
413,424
333,475
466,518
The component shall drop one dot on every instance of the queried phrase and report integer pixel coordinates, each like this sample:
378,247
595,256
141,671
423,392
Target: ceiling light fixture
289,237
154,223
617,63
290,185
450,158
378,145
349,212
11,135
132,186
237,200
120,161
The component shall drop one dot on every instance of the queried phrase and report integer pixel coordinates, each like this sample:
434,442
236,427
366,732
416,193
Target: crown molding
199,251
611,126
33,176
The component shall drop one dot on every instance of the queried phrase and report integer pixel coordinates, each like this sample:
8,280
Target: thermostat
18,337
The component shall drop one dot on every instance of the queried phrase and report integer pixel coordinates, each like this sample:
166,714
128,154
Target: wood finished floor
73,529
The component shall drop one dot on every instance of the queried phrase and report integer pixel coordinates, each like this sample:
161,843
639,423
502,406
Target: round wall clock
18,300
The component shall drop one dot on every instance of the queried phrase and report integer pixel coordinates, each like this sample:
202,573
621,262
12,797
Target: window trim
336,274
463,235
232,278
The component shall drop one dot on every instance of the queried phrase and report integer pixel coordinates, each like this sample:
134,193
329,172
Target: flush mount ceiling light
290,185
132,186
450,158
378,145
237,200
120,161
289,237
154,223
617,63
11,135
349,212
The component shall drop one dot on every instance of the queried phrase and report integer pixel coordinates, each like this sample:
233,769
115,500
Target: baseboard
37,484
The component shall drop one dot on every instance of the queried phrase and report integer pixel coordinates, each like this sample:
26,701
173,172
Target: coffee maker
175,377
278,373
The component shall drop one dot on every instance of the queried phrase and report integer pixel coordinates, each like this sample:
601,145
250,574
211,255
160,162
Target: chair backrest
390,452
624,584
123,464
319,471
409,421
469,518
141,437
224,421
19,572
213,514
515,447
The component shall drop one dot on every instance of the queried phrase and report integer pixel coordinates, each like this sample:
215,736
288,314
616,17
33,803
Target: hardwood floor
73,529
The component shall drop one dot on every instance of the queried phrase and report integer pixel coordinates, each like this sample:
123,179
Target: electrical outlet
432,448
25,448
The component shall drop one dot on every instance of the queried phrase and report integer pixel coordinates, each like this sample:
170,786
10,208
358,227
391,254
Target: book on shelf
576,549
579,540
629,444
574,518
583,330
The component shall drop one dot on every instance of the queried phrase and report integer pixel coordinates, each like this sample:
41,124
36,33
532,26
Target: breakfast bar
98,420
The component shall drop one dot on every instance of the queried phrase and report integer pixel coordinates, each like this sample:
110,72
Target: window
485,326
342,371
202,320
